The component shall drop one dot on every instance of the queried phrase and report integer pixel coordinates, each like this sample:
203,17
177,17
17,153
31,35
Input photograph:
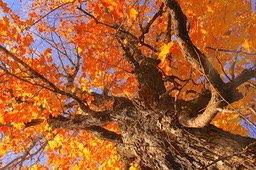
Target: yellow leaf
134,166
48,52
132,13
4,33
52,144
14,50
246,45
80,146
209,9
18,125
203,31
79,50
76,167
67,1
125,41
69,30
164,50
44,103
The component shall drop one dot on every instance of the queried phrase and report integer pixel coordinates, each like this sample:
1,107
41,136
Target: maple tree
111,84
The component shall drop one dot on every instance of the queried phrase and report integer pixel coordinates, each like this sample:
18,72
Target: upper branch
118,27
221,93
145,29
200,62
191,53
30,69
145,68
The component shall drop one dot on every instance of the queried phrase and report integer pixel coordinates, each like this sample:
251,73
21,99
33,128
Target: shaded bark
157,141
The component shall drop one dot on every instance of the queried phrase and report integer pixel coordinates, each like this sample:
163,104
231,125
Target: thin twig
230,51
48,14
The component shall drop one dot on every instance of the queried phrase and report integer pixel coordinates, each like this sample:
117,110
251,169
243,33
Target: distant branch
24,80
48,14
230,51
222,68
118,28
51,87
28,154
145,30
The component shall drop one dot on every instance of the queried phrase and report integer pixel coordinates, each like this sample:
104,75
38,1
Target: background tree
134,84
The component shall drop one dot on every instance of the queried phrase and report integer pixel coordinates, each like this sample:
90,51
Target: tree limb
230,51
191,53
89,123
246,75
201,120
52,87
145,30
200,62
119,29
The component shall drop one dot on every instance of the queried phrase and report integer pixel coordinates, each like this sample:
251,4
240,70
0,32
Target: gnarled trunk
154,139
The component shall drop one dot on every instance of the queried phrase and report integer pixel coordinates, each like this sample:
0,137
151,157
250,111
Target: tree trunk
155,140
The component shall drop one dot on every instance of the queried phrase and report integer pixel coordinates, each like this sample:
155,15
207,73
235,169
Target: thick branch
217,101
105,134
191,53
89,123
201,120
146,69
246,75
79,121
200,62
128,55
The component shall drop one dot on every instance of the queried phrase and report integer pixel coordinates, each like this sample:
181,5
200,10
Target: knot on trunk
150,76
121,104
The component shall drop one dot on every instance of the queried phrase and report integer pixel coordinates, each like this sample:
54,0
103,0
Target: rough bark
156,140
152,136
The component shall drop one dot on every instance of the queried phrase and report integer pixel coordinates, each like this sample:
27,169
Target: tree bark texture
155,140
